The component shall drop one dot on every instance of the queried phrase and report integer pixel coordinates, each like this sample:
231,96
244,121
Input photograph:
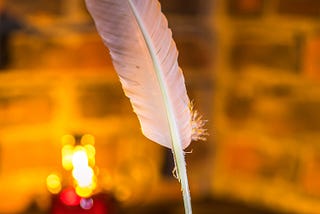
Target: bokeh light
83,176
84,191
54,183
86,203
91,152
69,197
79,157
67,155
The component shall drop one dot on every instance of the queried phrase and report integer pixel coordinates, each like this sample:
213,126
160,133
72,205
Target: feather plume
145,58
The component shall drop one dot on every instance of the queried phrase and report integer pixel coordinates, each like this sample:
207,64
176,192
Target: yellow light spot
53,183
67,149
91,152
67,154
87,139
83,191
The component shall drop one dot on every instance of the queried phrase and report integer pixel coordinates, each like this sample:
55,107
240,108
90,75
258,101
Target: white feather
145,58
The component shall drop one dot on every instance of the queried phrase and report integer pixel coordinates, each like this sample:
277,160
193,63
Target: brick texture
266,103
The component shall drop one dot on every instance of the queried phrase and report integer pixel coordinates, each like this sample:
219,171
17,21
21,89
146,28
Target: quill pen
145,57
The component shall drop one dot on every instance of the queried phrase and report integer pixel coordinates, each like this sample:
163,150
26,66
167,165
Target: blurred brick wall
60,80
267,101
251,66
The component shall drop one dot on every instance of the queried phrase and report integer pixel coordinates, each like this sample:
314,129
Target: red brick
311,59
246,7
309,8
25,110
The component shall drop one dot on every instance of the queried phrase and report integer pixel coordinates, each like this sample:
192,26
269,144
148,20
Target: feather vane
145,57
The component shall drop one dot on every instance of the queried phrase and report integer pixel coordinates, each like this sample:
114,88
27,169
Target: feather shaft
176,139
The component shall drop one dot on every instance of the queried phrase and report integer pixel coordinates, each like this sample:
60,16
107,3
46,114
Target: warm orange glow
107,181
123,193
252,68
54,183
87,139
68,140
